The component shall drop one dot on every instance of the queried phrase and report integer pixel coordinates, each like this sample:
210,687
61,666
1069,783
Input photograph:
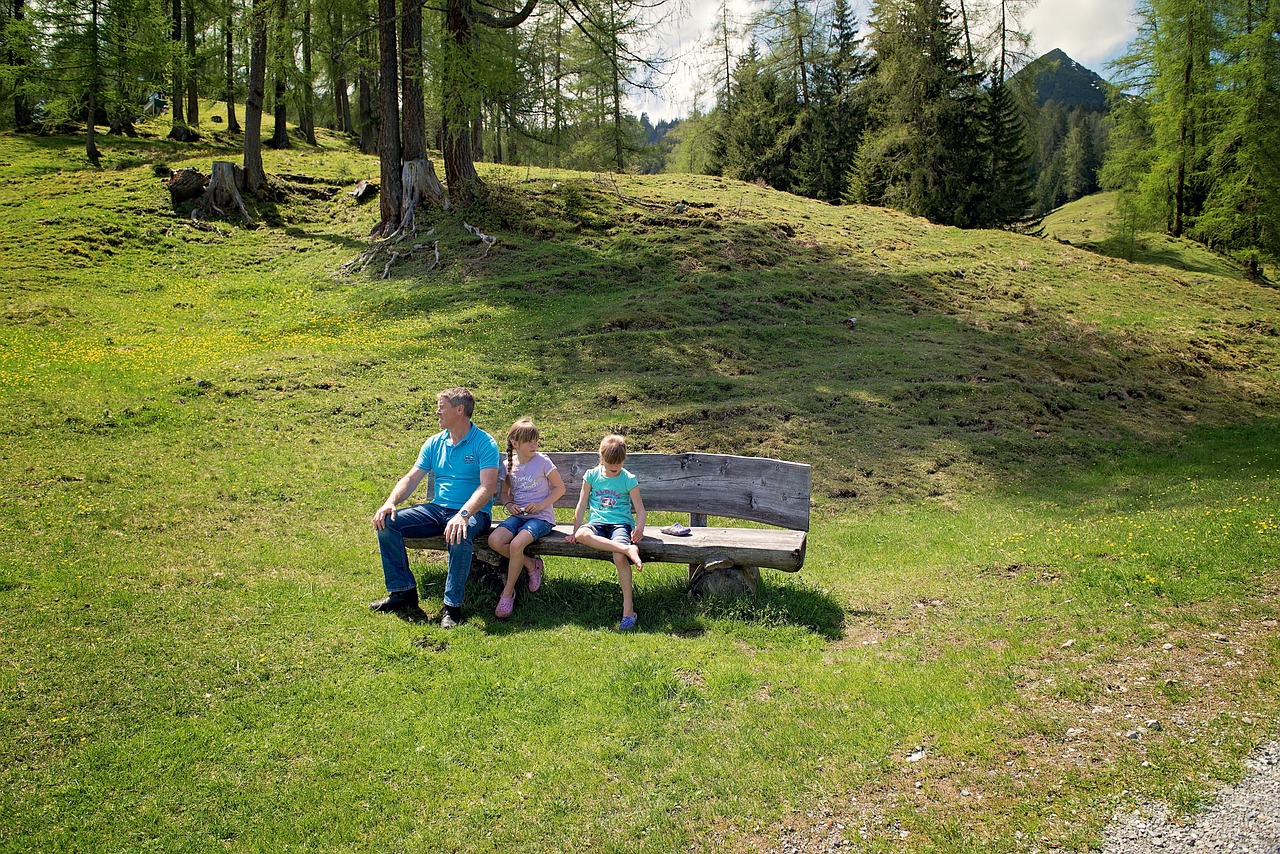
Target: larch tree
1241,210
229,65
1170,65
283,70
255,176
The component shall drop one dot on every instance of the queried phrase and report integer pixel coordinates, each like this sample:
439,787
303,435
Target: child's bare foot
633,554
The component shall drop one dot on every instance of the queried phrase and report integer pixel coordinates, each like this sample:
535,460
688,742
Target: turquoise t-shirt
456,468
610,501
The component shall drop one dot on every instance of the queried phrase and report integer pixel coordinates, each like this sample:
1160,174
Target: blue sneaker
628,623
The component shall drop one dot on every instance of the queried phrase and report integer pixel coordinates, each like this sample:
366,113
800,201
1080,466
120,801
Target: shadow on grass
968,366
662,602
1232,453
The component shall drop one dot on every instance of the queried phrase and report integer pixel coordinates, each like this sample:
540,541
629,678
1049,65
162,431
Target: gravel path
1245,819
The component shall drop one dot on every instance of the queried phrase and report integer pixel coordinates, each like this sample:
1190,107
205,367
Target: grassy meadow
1042,577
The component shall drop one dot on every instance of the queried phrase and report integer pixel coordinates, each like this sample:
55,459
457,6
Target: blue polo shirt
456,468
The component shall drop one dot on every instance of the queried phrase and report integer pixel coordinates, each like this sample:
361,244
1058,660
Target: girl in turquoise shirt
612,494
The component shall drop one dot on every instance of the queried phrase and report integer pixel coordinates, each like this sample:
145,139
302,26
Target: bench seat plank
774,548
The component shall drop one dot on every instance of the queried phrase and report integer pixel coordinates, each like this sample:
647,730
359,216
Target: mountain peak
1057,77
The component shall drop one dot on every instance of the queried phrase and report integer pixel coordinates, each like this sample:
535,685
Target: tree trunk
414,120
280,136
1180,183
497,137
344,105
368,122
255,178
90,145
419,181
306,110
178,129
193,92
233,126
458,109
389,194
21,106
337,75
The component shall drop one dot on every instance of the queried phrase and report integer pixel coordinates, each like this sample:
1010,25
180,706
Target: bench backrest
755,489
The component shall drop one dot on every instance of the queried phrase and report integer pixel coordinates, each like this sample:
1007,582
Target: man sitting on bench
463,460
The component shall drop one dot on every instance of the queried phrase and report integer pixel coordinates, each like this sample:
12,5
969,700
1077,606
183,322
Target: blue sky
1092,32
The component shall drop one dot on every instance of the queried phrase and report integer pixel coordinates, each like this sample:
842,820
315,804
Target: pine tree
1081,157
1008,187
924,152
831,128
759,140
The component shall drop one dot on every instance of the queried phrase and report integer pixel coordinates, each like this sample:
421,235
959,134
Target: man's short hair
459,396
613,449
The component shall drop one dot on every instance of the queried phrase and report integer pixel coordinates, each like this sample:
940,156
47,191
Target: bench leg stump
489,568
722,577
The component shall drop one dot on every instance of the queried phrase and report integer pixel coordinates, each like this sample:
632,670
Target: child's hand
637,535
572,537
531,509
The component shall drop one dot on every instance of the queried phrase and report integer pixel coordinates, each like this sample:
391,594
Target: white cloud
1092,32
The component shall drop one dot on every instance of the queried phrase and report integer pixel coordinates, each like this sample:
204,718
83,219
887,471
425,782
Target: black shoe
400,601
451,617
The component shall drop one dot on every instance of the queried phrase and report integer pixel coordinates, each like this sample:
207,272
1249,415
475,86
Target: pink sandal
535,575
506,604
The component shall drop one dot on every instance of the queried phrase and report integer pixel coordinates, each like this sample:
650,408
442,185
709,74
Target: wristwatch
464,513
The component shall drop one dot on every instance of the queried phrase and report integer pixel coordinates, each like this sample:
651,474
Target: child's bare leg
500,541
596,541
516,562
624,581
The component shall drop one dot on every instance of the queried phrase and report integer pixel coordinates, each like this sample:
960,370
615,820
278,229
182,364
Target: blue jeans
537,528
427,520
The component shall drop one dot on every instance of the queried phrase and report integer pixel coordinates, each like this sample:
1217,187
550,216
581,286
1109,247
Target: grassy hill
1092,223
1044,516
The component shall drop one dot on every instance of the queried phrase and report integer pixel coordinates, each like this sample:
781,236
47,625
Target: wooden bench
752,489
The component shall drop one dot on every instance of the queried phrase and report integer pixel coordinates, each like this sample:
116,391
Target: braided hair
521,431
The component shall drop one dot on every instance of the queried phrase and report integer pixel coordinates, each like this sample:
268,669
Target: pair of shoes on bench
628,623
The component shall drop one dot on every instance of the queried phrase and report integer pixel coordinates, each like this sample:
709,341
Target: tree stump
223,192
723,577
419,180
185,185
182,133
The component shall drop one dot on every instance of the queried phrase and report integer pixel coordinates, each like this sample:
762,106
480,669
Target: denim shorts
620,534
539,528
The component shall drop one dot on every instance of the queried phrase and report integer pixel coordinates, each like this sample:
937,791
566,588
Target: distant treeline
920,110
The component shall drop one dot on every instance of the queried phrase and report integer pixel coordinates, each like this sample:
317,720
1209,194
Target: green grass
1034,468
1092,223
